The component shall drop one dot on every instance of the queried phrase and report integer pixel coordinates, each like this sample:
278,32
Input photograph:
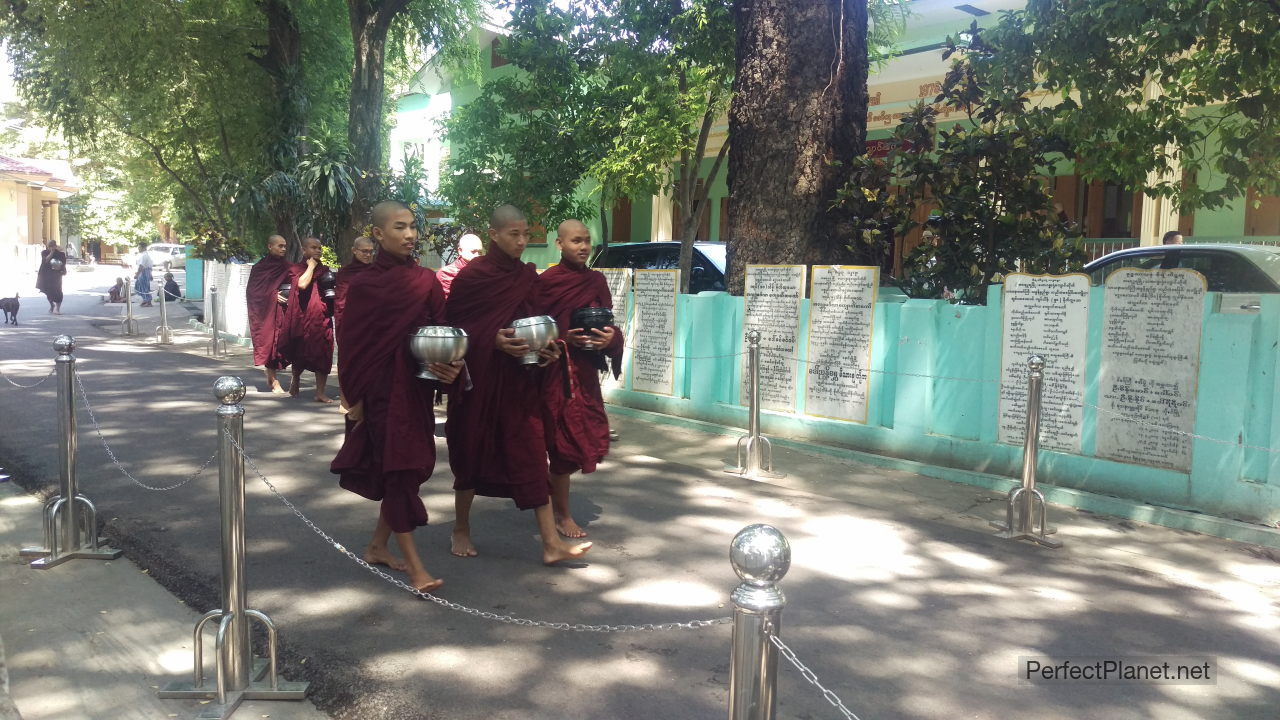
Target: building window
495,58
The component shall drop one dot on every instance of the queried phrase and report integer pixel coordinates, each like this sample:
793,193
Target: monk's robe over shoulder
447,274
495,432
576,423
389,454
345,275
267,321
310,345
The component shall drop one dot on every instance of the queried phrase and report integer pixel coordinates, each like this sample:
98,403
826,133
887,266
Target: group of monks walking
514,430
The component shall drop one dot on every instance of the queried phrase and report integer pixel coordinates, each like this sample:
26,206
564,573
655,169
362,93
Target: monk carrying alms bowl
437,344
538,331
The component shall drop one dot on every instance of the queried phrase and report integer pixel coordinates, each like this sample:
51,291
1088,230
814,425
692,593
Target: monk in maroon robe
469,248
267,326
389,449
497,447
310,344
576,424
362,251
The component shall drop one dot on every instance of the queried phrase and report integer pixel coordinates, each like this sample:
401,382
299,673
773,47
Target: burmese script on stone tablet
841,314
653,333
1150,362
619,280
1045,315
773,296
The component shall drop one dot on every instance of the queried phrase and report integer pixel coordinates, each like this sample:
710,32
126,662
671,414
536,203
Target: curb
1172,518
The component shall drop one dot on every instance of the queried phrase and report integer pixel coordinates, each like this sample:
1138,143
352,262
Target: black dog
10,307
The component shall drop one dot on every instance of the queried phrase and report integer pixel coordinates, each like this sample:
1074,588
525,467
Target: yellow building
30,191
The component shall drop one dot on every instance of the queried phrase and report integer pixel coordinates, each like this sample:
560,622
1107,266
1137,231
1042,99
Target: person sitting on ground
116,294
171,291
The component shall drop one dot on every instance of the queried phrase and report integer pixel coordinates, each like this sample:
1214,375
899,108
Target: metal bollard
213,322
239,676
128,326
164,336
761,556
1024,499
755,452
69,508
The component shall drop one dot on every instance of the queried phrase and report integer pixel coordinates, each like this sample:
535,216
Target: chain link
28,387
508,619
98,429
811,677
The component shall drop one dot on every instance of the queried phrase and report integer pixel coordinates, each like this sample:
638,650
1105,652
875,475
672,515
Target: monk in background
389,448
310,332
267,322
577,426
362,251
469,248
497,447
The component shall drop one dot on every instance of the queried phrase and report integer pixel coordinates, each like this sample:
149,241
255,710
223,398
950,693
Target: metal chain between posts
811,677
98,429
28,387
509,619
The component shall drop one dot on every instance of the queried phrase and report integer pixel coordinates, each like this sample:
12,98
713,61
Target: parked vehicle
707,271
168,255
1241,272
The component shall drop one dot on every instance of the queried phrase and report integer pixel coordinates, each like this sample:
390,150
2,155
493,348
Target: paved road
899,597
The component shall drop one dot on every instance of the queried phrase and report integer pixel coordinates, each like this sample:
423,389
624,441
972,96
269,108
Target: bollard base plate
294,691
1034,537
761,474
46,559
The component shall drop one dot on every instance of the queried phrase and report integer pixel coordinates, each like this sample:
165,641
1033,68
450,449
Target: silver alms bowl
437,344
539,331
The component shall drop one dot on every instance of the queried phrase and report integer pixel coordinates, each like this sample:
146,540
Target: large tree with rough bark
798,115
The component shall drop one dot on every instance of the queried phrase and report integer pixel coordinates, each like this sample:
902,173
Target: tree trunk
370,21
282,60
798,115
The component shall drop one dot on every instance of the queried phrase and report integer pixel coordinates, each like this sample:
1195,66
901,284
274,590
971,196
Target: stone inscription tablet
842,310
653,331
619,280
1150,362
773,297
1045,315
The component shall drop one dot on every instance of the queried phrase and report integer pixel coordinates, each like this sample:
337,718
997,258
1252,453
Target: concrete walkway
899,597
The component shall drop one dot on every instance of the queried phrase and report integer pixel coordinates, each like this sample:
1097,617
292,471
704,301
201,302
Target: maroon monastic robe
267,321
310,345
392,451
495,431
447,274
576,424
344,277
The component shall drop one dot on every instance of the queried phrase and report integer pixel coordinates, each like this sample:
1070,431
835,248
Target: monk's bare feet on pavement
277,390
423,582
563,551
293,386
323,399
461,545
568,528
382,556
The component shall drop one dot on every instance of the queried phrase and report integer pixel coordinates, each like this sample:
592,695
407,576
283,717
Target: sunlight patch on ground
178,661
336,600
772,508
963,558
1255,573
504,664
671,593
856,549
1249,670
888,599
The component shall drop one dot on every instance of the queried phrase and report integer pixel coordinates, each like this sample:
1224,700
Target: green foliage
994,213
1152,89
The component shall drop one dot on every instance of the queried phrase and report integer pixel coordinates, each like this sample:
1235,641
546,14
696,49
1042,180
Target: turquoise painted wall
934,398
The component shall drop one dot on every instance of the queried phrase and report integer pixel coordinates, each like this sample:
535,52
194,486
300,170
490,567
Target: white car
168,255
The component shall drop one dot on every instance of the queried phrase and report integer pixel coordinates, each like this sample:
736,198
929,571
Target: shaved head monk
496,443
469,248
389,449
362,251
577,426
310,332
267,321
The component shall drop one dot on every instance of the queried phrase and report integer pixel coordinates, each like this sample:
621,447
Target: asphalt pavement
899,597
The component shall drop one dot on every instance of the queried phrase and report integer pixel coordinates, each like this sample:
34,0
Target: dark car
1241,272
706,271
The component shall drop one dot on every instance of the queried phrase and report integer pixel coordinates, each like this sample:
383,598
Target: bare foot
461,545
424,582
293,386
568,528
383,556
324,399
563,552
278,390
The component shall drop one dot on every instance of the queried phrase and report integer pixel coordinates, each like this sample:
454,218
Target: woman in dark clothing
53,265
171,291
